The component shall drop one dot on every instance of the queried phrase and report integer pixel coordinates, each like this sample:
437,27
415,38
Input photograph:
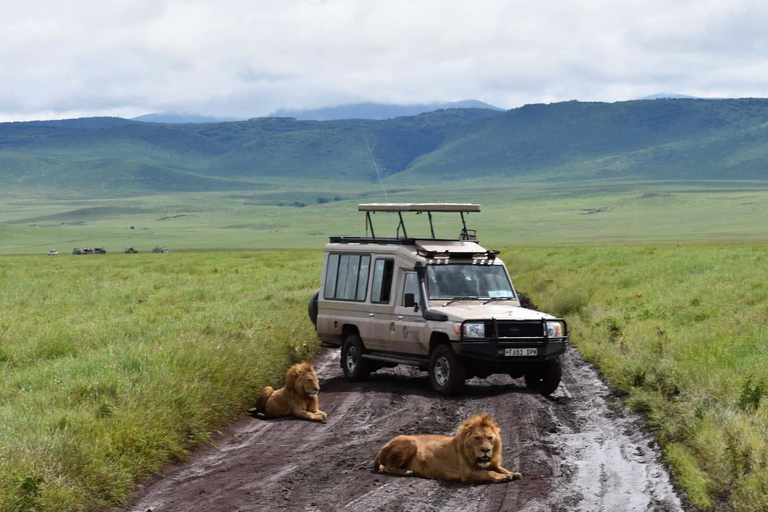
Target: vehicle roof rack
419,207
399,208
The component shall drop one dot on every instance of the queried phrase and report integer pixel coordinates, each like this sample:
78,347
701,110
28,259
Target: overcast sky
63,59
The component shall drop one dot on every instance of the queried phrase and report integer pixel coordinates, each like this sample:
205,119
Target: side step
413,361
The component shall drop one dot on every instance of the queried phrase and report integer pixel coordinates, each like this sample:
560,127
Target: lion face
309,384
302,379
481,441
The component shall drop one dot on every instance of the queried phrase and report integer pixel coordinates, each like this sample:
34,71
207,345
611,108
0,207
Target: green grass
679,331
115,366
286,214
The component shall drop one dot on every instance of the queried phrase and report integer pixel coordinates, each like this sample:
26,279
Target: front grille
511,329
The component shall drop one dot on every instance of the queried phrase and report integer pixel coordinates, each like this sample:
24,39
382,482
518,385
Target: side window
382,281
346,277
411,286
330,276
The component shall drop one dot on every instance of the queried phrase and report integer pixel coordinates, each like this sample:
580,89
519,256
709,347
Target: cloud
248,58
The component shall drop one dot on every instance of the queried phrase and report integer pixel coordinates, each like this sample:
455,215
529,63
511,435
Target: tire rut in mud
575,452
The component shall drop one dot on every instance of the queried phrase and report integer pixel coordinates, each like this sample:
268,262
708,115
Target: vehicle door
379,306
407,329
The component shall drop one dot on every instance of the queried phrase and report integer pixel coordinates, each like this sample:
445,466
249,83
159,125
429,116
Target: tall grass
116,365
680,331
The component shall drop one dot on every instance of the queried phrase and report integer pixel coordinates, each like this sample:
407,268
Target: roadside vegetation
116,365
680,332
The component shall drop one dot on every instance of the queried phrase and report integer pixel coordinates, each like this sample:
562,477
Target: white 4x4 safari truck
444,305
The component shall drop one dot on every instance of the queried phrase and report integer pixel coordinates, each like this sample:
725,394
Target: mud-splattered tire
544,378
355,368
447,371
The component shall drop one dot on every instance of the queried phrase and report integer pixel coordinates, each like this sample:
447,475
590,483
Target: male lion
472,456
298,397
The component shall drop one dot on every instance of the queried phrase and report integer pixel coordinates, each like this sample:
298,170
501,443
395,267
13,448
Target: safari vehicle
445,305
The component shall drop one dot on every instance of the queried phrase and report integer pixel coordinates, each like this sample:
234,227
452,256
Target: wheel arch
438,338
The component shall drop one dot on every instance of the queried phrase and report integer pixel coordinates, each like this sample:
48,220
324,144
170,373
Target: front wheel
544,377
355,367
447,371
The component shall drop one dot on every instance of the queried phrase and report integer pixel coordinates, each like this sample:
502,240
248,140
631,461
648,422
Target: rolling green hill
663,139
657,140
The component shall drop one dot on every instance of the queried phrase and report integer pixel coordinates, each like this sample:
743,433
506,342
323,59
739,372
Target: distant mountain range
170,117
570,141
669,96
375,110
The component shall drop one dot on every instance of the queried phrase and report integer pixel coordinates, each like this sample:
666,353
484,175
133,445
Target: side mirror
409,300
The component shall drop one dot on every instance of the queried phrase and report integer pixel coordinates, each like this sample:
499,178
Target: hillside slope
663,139
656,140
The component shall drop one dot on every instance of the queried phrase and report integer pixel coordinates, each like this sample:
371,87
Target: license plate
517,352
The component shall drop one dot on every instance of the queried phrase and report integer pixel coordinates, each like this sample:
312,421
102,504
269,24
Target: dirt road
577,451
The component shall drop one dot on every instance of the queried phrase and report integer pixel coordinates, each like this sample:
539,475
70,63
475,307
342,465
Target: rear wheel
544,377
447,371
312,307
355,367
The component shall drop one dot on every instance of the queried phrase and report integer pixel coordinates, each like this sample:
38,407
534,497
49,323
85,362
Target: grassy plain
284,214
115,365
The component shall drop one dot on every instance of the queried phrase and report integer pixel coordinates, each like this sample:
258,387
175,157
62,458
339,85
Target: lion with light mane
298,397
472,456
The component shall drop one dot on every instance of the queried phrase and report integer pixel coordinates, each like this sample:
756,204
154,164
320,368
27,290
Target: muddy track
577,451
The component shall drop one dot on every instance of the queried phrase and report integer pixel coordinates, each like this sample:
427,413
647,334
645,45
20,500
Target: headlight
554,329
474,330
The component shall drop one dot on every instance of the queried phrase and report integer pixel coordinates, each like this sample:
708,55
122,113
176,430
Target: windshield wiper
494,299
466,297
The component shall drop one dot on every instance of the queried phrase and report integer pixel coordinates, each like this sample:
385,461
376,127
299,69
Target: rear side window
346,276
382,281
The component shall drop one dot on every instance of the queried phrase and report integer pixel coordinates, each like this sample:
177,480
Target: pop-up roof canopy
419,207
399,208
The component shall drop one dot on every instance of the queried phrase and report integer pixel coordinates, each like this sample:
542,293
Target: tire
447,371
312,308
544,378
355,368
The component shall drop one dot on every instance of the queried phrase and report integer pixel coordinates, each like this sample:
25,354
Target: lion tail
261,403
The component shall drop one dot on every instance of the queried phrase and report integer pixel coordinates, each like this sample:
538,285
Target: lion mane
299,396
473,455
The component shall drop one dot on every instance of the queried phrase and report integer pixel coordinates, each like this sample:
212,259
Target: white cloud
246,58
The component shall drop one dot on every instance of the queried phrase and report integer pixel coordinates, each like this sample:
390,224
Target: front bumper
522,337
495,351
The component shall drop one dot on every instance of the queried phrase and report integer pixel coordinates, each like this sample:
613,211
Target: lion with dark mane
472,456
298,397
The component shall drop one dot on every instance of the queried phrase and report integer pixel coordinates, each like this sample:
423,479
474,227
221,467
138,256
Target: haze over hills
574,141
173,117
375,110
352,111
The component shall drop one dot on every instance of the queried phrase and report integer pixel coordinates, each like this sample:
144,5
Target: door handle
400,317
370,314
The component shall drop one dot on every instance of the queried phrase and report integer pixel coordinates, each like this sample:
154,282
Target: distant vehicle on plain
53,252
160,249
130,250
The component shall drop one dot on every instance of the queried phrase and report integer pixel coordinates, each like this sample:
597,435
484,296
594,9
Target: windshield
482,281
